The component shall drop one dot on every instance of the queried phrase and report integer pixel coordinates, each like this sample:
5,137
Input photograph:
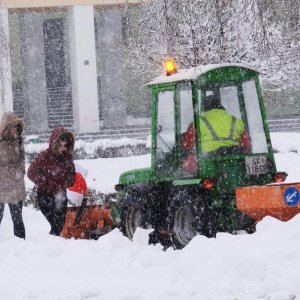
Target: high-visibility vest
219,129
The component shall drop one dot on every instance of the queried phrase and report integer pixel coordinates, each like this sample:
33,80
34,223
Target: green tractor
186,193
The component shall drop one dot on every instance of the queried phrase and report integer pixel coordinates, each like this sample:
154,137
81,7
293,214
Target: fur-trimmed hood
9,120
57,134
12,160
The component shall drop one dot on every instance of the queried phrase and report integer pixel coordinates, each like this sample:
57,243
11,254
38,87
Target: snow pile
264,265
286,142
32,148
104,172
99,148
89,147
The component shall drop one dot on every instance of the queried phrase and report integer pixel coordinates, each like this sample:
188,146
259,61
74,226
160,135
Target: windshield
230,118
187,159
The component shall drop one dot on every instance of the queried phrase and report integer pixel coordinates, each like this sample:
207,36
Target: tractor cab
185,144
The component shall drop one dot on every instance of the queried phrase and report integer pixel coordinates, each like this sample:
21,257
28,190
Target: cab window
255,122
187,158
185,101
230,100
165,133
240,100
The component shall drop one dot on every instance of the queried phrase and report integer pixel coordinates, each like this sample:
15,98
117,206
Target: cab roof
193,73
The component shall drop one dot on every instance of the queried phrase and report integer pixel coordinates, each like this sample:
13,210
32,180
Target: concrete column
6,101
111,71
83,68
34,74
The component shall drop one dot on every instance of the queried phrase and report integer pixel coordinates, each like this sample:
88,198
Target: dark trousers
54,213
16,215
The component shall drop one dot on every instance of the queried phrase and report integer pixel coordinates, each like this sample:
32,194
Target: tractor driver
221,134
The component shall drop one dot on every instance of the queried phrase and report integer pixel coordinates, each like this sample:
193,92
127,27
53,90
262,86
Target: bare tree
275,35
263,34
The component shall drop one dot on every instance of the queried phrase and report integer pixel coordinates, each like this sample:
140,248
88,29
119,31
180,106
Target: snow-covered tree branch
262,34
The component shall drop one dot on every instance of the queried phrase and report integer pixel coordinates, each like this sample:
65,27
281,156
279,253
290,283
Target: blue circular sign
291,196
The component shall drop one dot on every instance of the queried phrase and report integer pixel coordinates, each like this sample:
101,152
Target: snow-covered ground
264,265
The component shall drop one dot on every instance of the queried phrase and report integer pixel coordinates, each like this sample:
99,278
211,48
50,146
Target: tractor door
175,116
187,165
165,138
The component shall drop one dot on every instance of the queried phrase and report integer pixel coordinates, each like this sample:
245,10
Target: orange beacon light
170,66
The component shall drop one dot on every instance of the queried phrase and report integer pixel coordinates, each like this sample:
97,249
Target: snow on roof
193,73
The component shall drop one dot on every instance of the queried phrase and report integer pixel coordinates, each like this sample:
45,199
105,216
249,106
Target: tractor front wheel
131,219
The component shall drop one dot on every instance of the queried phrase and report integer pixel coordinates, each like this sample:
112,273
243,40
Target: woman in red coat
53,171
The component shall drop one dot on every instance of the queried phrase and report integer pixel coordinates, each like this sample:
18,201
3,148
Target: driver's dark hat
212,102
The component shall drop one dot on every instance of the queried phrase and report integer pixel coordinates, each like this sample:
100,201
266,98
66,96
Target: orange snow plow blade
280,201
93,217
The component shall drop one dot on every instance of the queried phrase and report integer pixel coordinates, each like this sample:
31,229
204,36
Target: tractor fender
137,193
199,195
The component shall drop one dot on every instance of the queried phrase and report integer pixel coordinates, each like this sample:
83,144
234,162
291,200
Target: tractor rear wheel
188,217
183,229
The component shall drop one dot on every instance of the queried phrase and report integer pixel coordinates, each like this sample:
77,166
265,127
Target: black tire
132,215
131,219
188,216
142,207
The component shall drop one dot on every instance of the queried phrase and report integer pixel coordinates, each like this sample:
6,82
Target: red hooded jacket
51,172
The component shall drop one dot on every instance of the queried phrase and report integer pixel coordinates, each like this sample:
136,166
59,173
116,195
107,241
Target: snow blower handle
80,211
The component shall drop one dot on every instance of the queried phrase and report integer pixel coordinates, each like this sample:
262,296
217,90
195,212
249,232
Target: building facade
65,65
